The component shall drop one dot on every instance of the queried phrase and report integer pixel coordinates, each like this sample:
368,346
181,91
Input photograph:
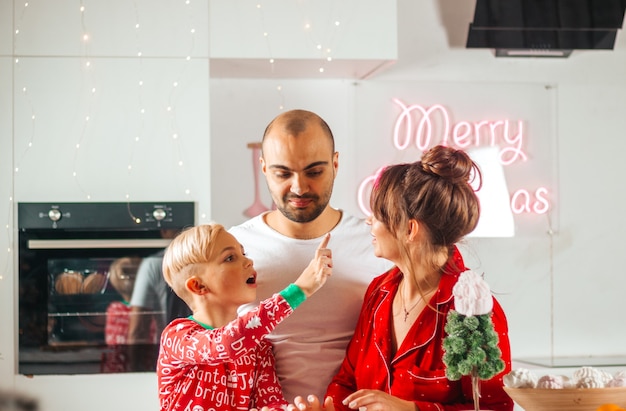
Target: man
153,305
300,164
150,297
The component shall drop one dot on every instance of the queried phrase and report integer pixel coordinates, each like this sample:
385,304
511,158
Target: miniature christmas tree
471,345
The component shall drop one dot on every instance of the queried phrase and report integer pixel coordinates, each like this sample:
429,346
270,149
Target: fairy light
89,67
87,113
88,74
18,159
271,59
170,108
279,90
137,134
9,236
33,117
308,27
315,36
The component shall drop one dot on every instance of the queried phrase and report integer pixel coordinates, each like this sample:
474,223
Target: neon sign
426,127
524,202
462,135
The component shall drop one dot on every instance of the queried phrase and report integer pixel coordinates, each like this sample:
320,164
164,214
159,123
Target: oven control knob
159,214
54,215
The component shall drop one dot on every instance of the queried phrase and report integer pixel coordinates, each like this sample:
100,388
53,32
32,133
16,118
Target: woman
394,360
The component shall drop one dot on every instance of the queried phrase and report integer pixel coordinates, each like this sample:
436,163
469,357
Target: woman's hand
375,400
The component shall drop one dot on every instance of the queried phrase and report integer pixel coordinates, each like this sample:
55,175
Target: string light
9,236
87,77
170,108
140,132
9,232
24,93
33,117
89,68
279,89
308,26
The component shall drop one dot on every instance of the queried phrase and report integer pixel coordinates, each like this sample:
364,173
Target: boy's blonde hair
194,245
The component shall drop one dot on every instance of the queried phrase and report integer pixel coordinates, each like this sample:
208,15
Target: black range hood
545,28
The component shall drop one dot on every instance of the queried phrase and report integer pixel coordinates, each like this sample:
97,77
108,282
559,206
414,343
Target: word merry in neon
418,123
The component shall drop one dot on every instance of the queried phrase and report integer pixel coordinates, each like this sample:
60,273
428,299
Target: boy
214,359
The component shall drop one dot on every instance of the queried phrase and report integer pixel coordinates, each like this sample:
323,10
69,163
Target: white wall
561,292
541,279
7,285
77,125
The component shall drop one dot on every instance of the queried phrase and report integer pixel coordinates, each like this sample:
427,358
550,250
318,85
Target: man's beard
303,215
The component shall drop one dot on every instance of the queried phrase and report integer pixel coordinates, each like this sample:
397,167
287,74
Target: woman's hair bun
448,163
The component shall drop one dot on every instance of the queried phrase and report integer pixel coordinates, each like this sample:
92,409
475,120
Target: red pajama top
201,368
416,372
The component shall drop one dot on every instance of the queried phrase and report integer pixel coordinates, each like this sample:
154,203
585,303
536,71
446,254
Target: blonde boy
214,359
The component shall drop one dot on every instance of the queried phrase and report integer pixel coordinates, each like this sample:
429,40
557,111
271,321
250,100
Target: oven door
74,290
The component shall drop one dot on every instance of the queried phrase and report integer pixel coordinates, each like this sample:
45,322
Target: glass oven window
75,289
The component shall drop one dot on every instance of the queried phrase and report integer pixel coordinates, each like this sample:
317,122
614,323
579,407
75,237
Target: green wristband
294,295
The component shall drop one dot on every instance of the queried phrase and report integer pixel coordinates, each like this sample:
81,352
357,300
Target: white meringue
618,380
589,382
550,381
520,378
589,377
472,295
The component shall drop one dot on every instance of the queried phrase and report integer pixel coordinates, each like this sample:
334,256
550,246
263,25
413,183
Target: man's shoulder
349,219
352,226
253,225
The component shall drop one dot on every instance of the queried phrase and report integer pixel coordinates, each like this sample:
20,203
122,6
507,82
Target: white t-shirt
150,290
310,345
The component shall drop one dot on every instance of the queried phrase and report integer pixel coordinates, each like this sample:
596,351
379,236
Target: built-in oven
78,263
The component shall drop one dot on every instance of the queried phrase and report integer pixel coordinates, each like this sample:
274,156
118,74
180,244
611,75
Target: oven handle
93,244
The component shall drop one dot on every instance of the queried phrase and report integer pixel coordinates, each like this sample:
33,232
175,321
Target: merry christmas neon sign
426,127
